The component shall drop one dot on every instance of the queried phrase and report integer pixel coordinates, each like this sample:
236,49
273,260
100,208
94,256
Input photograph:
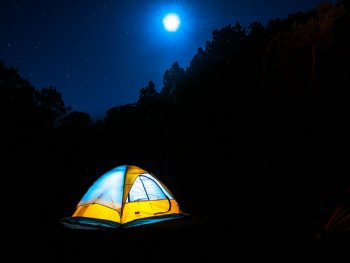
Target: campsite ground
247,227
254,227
192,239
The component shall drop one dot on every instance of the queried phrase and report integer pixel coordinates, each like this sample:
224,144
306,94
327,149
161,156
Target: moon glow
171,22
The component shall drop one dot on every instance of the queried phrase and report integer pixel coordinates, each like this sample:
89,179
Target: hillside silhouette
250,137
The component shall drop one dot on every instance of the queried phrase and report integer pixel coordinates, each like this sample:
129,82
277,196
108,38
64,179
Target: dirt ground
191,239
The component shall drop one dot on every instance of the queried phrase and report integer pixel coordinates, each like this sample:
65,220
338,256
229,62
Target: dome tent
125,196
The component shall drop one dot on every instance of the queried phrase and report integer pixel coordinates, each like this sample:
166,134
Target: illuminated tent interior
125,196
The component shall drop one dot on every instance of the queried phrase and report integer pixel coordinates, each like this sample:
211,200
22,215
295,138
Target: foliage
258,119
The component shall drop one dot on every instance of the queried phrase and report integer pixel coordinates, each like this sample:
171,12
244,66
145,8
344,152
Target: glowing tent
125,196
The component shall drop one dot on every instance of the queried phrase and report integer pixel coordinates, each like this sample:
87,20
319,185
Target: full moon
171,22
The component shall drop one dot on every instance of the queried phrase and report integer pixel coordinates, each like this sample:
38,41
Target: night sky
99,54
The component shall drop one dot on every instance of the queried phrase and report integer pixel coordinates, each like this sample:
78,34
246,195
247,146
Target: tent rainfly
125,196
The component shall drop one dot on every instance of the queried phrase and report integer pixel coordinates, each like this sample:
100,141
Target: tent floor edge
152,220
87,223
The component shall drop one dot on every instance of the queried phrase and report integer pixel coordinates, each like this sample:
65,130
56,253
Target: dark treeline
255,130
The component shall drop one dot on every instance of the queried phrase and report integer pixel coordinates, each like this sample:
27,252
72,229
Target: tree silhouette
172,78
77,121
255,125
148,95
51,105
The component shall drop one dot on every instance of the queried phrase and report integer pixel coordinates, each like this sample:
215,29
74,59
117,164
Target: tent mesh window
144,189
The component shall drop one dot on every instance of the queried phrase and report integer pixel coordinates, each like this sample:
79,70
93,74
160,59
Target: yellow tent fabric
125,196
